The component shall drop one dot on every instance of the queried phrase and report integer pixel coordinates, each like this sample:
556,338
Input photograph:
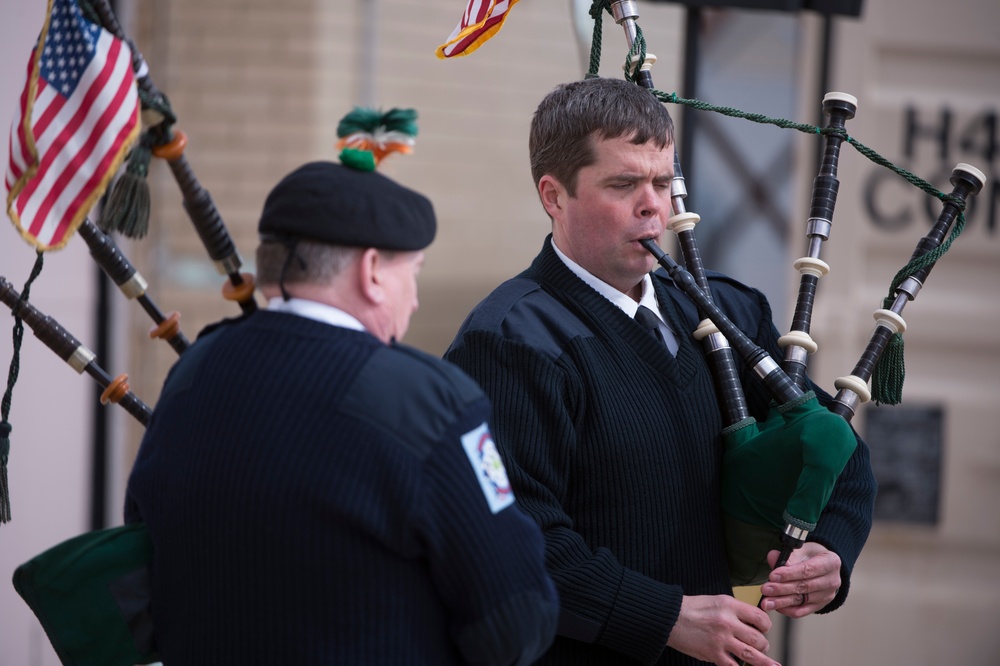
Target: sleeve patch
488,467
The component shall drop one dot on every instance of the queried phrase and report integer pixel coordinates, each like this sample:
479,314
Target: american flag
76,118
482,19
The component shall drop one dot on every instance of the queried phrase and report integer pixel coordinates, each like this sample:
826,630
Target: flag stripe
477,11
20,156
52,104
473,36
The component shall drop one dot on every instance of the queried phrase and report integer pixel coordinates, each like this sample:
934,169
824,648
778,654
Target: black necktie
650,322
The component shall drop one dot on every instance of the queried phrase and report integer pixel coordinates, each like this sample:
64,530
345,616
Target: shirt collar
316,311
623,301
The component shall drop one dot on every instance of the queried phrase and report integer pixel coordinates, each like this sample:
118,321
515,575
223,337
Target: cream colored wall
259,87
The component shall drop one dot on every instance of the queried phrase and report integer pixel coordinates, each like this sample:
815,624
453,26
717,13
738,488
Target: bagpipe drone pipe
74,353
779,473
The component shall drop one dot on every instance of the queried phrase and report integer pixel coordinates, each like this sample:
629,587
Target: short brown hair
560,141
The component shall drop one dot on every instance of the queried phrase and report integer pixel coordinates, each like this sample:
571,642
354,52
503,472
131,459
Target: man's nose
650,202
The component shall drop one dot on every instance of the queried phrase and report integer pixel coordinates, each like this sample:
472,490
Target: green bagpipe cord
779,471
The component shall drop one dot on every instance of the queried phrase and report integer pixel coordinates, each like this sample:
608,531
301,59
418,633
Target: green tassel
127,208
887,378
362,160
4,489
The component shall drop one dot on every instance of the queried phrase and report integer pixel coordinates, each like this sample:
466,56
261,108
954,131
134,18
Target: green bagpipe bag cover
777,472
91,594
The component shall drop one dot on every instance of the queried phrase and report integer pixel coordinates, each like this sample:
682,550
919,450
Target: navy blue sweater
613,446
310,501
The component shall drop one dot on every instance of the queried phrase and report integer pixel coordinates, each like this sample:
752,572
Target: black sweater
613,446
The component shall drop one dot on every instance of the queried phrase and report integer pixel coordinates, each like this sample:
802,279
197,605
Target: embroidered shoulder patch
488,467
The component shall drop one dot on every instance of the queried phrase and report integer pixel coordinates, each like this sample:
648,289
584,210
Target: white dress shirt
623,301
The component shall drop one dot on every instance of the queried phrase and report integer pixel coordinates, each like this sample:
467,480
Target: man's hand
808,582
720,630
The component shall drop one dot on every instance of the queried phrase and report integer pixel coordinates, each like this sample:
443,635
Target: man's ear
553,196
369,275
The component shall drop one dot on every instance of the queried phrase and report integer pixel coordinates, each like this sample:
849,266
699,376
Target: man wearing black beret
318,493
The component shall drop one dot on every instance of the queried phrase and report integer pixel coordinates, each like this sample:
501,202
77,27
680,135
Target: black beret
331,203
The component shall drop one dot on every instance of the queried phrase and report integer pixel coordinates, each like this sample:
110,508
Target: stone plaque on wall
906,449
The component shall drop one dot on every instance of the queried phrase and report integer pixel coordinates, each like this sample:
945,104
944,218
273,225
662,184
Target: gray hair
313,263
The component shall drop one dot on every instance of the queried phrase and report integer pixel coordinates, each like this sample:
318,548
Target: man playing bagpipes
607,417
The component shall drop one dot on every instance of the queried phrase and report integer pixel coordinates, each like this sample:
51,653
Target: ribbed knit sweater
310,502
613,446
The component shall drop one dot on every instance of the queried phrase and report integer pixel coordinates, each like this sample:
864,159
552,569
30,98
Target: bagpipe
779,473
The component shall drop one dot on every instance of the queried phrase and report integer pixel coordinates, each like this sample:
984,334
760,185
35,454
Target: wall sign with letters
945,139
